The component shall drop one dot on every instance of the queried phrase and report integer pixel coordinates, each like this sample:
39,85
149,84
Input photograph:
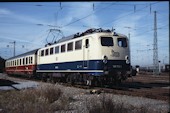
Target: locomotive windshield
106,41
122,42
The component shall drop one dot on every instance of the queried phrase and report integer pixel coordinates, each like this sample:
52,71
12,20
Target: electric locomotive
95,56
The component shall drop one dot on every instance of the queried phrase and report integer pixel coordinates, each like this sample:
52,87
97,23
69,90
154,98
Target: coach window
122,42
51,51
46,52
31,60
57,49
23,61
42,52
70,46
15,62
26,62
63,48
20,62
78,44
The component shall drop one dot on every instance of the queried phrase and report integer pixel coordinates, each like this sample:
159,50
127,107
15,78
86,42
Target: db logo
115,54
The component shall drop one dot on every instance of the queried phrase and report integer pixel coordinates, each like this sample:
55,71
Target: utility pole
14,46
155,48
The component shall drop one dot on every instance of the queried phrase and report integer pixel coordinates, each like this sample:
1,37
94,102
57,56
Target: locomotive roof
24,54
87,32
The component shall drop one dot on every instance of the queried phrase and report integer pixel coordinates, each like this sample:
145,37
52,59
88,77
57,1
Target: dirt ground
147,85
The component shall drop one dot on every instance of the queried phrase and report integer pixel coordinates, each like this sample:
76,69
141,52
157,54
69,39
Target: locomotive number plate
117,66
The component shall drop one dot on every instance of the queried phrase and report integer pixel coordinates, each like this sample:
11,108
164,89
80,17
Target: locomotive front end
115,55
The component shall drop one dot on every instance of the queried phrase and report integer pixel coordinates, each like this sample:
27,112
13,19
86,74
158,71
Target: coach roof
24,54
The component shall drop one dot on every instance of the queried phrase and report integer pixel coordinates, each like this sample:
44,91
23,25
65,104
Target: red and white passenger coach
24,64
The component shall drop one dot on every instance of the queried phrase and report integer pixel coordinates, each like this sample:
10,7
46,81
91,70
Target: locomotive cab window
106,41
122,42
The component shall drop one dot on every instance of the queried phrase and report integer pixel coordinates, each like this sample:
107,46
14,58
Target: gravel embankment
83,100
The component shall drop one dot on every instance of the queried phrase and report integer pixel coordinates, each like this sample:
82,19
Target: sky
29,24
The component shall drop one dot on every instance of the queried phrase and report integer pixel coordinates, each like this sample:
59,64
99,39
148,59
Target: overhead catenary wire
131,12
149,30
85,16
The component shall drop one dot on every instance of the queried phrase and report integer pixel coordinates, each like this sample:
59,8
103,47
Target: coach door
86,53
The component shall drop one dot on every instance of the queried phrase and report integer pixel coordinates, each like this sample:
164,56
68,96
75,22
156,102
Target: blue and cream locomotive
96,55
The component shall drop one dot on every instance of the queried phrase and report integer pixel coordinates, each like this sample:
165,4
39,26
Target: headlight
127,59
105,59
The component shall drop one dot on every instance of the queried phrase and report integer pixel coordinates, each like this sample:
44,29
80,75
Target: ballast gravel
84,100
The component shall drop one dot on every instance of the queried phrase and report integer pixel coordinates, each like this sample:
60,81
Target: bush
107,105
30,101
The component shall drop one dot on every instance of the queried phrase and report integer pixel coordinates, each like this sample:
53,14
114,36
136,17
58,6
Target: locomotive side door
86,53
